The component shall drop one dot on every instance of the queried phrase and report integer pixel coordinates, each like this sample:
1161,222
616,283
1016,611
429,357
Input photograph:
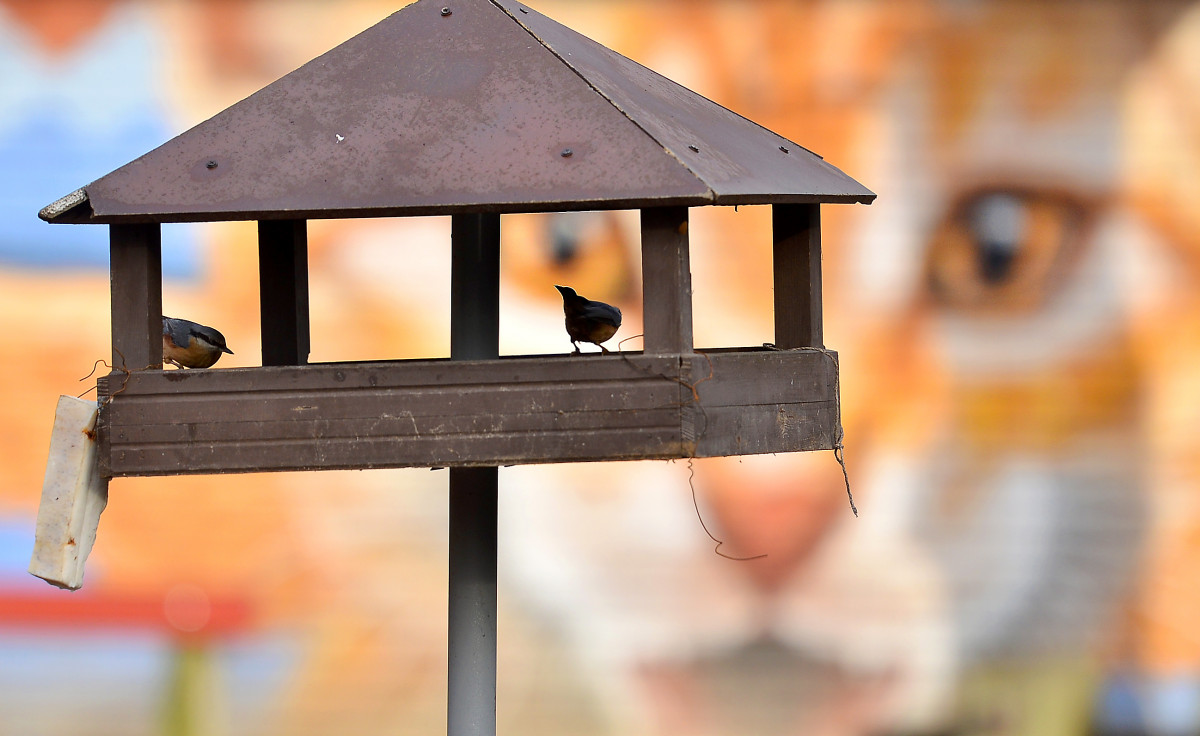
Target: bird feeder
471,109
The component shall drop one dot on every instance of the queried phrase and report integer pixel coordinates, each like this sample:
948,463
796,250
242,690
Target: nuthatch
588,321
189,345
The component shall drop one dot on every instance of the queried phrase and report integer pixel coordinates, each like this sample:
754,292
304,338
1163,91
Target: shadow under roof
454,106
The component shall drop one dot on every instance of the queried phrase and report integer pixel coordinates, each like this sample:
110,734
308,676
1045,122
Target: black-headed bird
190,345
587,320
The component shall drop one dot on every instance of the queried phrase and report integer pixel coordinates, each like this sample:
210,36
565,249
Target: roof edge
751,199
76,209
73,208
84,214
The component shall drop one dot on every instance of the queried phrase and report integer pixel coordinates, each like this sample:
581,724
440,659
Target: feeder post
283,291
135,267
474,335
797,264
666,281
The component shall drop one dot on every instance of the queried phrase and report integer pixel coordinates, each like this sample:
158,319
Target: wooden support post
135,263
797,258
283,291
475,287
666,281
474,335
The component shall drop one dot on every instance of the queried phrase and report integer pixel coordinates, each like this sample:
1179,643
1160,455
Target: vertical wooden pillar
797,258
474,335
475,287
283,291
135,266
666,281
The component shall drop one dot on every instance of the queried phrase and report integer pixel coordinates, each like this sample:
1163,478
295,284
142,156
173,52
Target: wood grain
436,413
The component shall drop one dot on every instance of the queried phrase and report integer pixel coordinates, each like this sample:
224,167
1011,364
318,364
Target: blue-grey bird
587,320
190,345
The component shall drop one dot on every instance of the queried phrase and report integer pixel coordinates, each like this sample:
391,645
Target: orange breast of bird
193,356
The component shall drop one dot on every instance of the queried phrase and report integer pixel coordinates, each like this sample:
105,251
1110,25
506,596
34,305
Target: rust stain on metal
444,109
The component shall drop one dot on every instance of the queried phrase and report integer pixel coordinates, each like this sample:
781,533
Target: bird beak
226,350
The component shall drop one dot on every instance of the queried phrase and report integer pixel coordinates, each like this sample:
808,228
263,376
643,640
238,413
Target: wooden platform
438,413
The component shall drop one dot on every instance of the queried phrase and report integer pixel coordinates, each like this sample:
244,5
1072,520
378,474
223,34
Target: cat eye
1006,250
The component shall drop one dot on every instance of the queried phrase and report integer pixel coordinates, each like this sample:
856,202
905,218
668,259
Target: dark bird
588,321
189,345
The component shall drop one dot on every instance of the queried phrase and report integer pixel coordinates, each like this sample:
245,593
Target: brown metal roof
451,106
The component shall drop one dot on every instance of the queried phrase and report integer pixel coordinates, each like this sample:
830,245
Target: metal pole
474,335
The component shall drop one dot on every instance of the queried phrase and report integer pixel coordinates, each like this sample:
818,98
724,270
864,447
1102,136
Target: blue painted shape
65,122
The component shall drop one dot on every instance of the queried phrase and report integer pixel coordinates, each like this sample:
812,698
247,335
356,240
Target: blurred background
1019,327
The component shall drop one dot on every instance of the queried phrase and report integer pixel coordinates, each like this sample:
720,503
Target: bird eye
1005,250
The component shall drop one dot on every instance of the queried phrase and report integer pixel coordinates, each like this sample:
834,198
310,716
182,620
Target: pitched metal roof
451,106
